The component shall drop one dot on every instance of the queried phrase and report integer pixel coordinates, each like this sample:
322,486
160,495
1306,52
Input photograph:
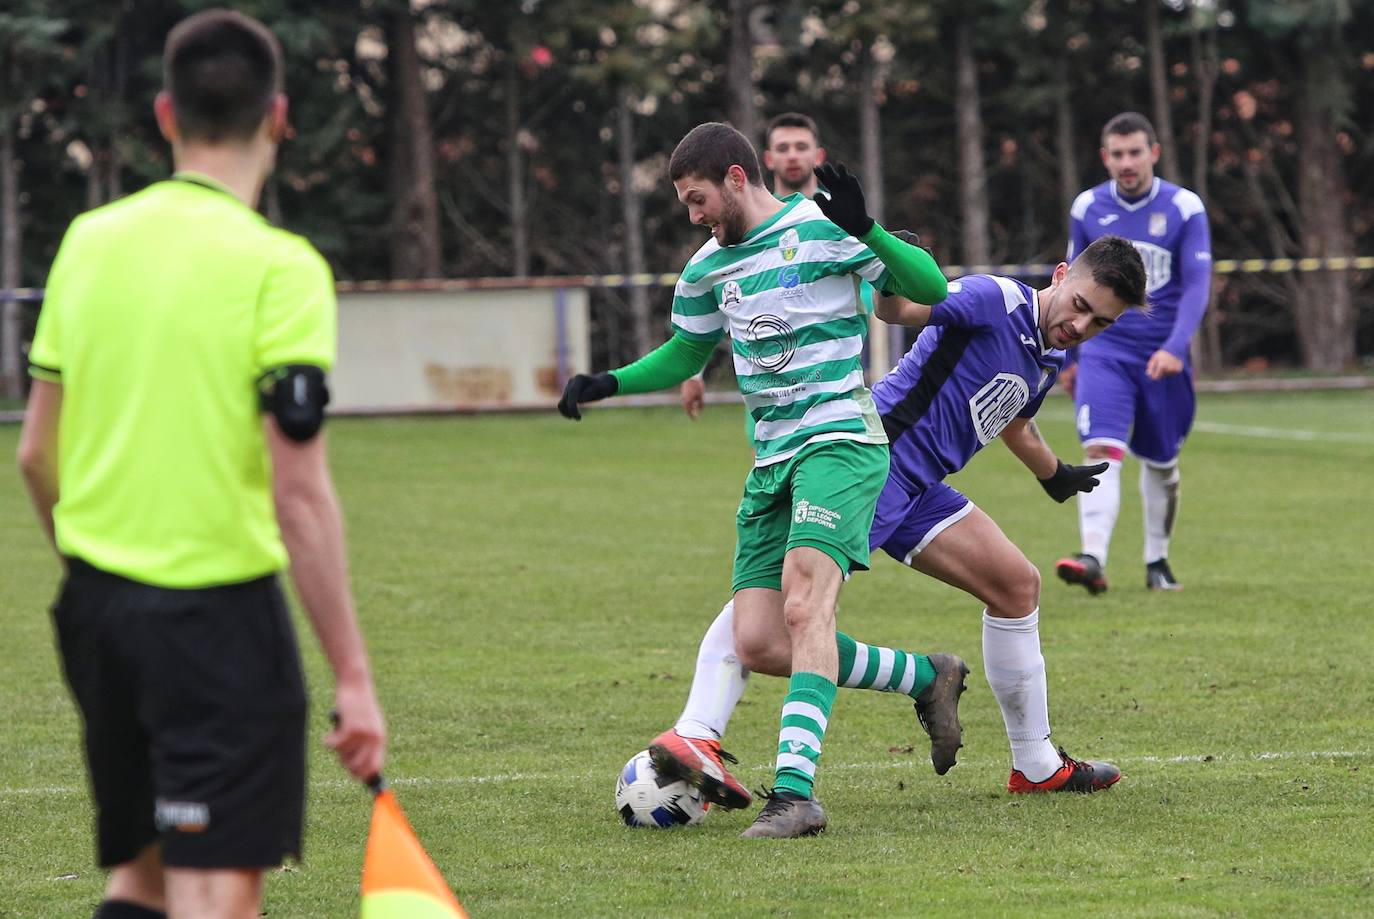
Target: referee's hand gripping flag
399,879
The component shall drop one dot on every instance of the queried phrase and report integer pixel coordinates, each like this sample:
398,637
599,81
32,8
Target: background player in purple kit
980,370
1133,386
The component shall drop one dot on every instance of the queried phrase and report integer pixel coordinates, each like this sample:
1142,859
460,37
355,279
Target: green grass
533,594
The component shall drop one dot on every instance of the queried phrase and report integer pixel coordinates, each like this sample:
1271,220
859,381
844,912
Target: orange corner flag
399,880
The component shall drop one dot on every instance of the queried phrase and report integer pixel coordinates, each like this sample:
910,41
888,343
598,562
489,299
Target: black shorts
193,704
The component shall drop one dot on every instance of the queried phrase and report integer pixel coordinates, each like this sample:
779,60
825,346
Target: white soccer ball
645,798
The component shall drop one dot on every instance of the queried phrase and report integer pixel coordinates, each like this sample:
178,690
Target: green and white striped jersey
789,296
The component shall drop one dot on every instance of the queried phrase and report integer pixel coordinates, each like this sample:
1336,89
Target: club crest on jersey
1159,224
996,404
731,294
771,342
1159,264
789,243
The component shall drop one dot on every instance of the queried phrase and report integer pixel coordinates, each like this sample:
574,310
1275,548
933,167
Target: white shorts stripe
805,710
908,675
799,763
801,735
936,530
856,672
886,659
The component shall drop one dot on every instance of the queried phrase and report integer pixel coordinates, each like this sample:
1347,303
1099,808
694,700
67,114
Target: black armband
296,396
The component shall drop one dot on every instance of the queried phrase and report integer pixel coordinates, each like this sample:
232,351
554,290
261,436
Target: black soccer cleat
1082,569
937,709
1159,577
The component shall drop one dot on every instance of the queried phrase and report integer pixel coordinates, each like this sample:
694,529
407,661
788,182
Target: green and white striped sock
805,713
884,669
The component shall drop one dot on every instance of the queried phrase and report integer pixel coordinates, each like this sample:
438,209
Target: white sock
717,684
1097,510
1016,672
1159,493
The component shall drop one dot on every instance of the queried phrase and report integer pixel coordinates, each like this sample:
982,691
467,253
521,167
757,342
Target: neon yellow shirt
161,311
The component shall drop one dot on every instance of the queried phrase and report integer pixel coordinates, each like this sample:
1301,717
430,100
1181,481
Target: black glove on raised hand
585,388
842,199
1068,481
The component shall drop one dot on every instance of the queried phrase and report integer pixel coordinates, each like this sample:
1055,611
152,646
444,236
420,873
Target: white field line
1247,430
53,791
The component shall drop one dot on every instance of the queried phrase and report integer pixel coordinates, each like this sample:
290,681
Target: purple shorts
905,523
1117,405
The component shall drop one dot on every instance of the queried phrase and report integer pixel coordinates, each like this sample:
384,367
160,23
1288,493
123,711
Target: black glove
1068,481
585,388
843,199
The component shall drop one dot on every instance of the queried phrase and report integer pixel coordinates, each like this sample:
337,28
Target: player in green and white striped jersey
782,277
691,748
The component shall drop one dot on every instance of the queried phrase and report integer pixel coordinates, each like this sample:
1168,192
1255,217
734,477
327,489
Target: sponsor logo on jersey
1109,219
771,342
788,244
1159,224
731,294
789,276
806,512
1159,264
996,404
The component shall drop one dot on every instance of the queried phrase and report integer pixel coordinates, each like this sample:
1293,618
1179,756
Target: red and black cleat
700,764
1081,776
1082,569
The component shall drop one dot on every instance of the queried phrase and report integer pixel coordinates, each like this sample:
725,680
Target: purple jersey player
978,371
1133,386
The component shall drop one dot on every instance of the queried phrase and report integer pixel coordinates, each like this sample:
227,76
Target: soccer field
533,592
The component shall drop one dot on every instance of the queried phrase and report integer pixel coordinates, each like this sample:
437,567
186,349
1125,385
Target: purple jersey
978,364
1169,228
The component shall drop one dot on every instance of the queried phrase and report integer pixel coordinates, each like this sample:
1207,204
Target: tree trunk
973,183
739,69
1326,328
10,373
415,248
1207,352
883,340
1159,93
515,175
114,184
632,214
1069,178
98,126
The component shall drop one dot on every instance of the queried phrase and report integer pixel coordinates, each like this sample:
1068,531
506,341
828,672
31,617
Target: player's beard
732,225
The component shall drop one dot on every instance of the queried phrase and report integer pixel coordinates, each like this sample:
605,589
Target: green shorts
822,497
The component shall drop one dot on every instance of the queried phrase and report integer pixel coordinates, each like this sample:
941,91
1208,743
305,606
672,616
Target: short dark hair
1129,123
1115,263
222,70
709,150
790,120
